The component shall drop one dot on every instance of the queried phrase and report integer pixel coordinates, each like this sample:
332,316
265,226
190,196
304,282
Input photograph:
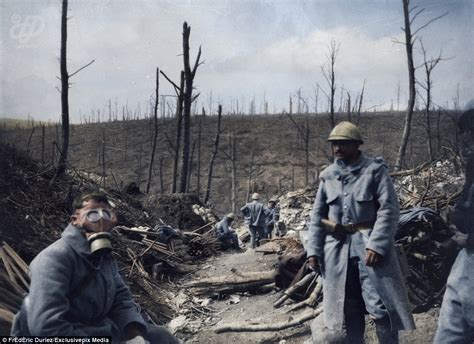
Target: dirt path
248,308
242,307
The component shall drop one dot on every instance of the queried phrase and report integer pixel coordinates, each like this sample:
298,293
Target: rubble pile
435,185
427,254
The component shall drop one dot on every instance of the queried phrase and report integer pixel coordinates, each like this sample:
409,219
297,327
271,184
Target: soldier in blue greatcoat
76,288
254,218
456,318
356,255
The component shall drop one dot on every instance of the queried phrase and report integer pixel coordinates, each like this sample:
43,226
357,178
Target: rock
177,324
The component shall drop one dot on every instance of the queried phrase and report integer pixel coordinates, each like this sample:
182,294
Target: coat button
345,207
345,193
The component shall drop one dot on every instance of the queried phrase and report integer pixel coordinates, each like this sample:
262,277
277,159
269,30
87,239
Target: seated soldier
76,288
226,234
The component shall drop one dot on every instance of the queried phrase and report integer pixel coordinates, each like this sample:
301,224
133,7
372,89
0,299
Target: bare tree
410,38
304,133
64,92
198,172
179,117
155,133
103,158
214,154
329,74
188,99
62,163
231,157
428,66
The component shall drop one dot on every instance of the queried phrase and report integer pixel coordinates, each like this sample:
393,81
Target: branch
177,89
195,97
416,15
243,327
77,71
196,64
428,23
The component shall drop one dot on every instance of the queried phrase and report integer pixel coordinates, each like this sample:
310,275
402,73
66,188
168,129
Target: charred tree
155,131
329,73
188,99
198,172
428,66
410,38
214,155
65,76
64,93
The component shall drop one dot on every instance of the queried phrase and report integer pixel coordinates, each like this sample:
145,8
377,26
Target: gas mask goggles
100,242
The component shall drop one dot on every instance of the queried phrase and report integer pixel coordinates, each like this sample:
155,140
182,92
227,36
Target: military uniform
73,293
254,217
271,217
225,234
360,196
456,319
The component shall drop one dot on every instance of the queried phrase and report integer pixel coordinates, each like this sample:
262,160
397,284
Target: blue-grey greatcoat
359,193
456,318
103,308
254,214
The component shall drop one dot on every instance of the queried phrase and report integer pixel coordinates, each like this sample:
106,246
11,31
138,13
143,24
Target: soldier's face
346,150
94,217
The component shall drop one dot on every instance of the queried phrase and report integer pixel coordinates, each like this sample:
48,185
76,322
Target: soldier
351,239
76,288
271,217
254,217
456,318
225,233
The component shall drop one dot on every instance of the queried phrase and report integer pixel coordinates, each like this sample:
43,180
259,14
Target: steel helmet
345,131
230,216
466,121
255,196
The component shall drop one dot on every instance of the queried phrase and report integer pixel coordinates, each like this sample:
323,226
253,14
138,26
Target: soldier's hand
372,257
313,263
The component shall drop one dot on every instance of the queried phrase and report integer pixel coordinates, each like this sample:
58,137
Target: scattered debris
14,283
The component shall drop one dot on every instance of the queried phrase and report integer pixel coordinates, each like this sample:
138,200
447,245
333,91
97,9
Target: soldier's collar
355,167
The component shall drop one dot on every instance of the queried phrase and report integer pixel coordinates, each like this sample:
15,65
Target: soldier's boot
384,332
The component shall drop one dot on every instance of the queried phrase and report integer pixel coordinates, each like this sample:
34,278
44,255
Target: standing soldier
271,218
254,217
351,239
456,318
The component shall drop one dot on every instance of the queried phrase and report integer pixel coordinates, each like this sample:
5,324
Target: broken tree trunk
312,299
237,282
270,327
295,287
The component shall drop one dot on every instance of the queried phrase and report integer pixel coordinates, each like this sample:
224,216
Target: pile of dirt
175,210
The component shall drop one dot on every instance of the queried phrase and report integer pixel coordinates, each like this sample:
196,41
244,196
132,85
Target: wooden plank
21,263
6,263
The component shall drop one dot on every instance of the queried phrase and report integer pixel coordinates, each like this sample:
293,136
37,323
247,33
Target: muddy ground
246,308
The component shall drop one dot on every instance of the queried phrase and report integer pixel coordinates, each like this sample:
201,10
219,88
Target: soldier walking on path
351,240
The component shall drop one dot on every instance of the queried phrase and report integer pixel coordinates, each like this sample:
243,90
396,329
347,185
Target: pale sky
250,48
